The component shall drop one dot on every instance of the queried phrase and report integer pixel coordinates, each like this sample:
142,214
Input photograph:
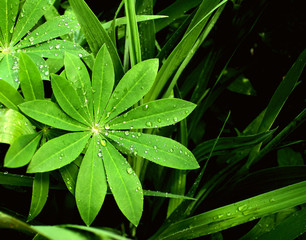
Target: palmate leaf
77,75
39,194
41,65
103,80
131,88
161,150
56,49
12,125
9,96
22,150
9,70
159,113
49,113
123,182
30,80
69,100
30,13
91,183
58,152
51,29
8,14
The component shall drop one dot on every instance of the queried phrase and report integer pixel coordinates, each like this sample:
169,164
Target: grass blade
39,194
123,183
58,152
91,183
132,32
240,212
159,113
95,34
30,80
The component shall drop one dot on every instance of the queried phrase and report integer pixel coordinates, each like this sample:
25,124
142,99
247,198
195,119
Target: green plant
93,127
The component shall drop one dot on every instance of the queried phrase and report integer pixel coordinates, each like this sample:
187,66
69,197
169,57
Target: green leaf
78,76
8,14
95,34
69,174
49,113
103,234
123,183
149,193
58,152
41,65
182,49
69,100
9,70
30,13
22,150
132,87
237,213
132,30
15,180
103,79
9,96
159,113
57,49
58,233
12,125
49,30
282,92
39,194
30,80
91,183
161,150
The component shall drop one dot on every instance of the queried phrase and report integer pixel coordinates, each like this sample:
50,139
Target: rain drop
129,170
126,133
145,107
99,154
80,55
148,124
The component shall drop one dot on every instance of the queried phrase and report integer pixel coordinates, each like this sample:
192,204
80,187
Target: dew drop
99,154
106,126
242,208
103,142
80,55
129,170
175,119
148,124
159,120
145,107
126,133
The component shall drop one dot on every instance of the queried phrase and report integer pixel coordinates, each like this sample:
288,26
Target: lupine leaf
51,29
12,125
123,183
132,87
78,76
30,13
69,174
8,14
49,113
57,49
39,194
41,65
103,79
21,151
159,113
161,150
58,233
69,100
9,96
9,70
91,183
30,80
58,152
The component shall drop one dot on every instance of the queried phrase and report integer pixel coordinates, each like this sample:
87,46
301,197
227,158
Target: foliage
125,111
